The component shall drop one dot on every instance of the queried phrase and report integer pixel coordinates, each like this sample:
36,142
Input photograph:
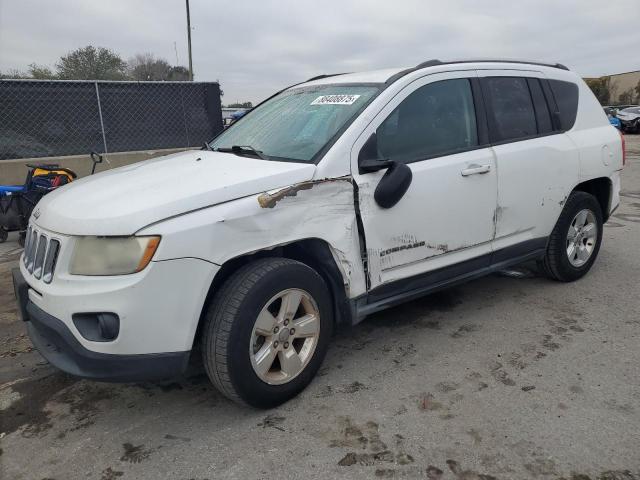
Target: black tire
556,264
4,234
229,322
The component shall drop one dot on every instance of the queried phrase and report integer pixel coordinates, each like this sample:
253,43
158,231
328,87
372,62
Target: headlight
112,255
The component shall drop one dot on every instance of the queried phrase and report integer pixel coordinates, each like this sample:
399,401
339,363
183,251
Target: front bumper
158,308
630,123
56,343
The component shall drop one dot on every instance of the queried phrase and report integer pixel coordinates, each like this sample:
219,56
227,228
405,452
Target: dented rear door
538,164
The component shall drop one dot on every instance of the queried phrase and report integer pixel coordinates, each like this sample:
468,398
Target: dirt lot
502,378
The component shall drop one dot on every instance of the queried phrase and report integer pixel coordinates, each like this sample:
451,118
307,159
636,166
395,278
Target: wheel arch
313,252
601,188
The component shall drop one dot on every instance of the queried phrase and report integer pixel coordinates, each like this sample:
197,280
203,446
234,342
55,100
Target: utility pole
189,42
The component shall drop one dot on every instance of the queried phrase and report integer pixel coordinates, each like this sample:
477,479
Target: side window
435,120
510,102
543,117
566,95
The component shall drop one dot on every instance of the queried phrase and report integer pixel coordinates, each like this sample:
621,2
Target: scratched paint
270,199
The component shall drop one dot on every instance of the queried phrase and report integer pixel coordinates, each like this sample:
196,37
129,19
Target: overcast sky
256,47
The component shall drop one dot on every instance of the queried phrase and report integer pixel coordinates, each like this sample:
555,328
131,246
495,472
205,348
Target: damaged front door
446,215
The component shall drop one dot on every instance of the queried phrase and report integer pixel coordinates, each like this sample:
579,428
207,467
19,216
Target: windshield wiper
242,150
207,146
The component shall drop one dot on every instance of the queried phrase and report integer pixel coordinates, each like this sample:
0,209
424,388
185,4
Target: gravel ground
502,378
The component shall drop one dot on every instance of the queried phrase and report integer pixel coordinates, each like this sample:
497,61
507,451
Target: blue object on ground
5,189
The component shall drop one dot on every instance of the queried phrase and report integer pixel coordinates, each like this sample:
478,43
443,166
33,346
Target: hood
124,200
627,115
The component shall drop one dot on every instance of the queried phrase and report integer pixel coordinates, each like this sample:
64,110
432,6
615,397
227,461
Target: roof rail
429,63
435,62
319,77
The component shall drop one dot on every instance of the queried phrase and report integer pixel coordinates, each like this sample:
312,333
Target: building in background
617,89
627,86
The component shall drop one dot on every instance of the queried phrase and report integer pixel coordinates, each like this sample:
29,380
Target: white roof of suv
382,76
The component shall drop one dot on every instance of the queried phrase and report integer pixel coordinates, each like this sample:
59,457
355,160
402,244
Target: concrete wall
622,82
13,172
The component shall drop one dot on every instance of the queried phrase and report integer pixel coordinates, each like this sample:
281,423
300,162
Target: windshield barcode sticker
335,100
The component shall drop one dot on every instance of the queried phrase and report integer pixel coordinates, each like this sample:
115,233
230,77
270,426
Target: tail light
624,152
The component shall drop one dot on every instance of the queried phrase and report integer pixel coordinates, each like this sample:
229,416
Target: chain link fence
43,118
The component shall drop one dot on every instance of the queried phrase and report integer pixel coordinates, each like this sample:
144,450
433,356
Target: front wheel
267,331
575,240
4,234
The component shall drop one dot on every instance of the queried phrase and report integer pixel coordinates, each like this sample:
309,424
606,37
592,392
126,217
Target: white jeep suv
331,200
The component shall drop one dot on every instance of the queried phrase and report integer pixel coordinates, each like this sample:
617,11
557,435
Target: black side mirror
393,185
396,180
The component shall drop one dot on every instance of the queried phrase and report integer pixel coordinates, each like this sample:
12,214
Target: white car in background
630,119
333,199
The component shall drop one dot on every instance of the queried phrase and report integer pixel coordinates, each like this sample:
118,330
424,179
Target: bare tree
626,97
614,86
146,66
600,88
13,73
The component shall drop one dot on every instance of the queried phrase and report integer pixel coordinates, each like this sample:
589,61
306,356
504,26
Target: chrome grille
29,247
40,251
27,244
32,251
50,262
40,255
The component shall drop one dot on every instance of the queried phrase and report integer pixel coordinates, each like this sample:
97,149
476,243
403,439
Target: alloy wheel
582,237
284,336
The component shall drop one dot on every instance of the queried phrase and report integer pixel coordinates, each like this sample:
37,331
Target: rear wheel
575,240
267,332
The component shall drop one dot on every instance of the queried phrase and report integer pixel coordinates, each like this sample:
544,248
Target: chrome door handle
475,169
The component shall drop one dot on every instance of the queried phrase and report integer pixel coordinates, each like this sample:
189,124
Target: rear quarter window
566,96
512,109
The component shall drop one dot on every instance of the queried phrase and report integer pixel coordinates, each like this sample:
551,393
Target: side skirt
400,291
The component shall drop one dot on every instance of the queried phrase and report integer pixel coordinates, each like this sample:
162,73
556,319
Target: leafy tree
600,88
626,97
90,63
637,89
41,72
179,74
240,105
145,66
